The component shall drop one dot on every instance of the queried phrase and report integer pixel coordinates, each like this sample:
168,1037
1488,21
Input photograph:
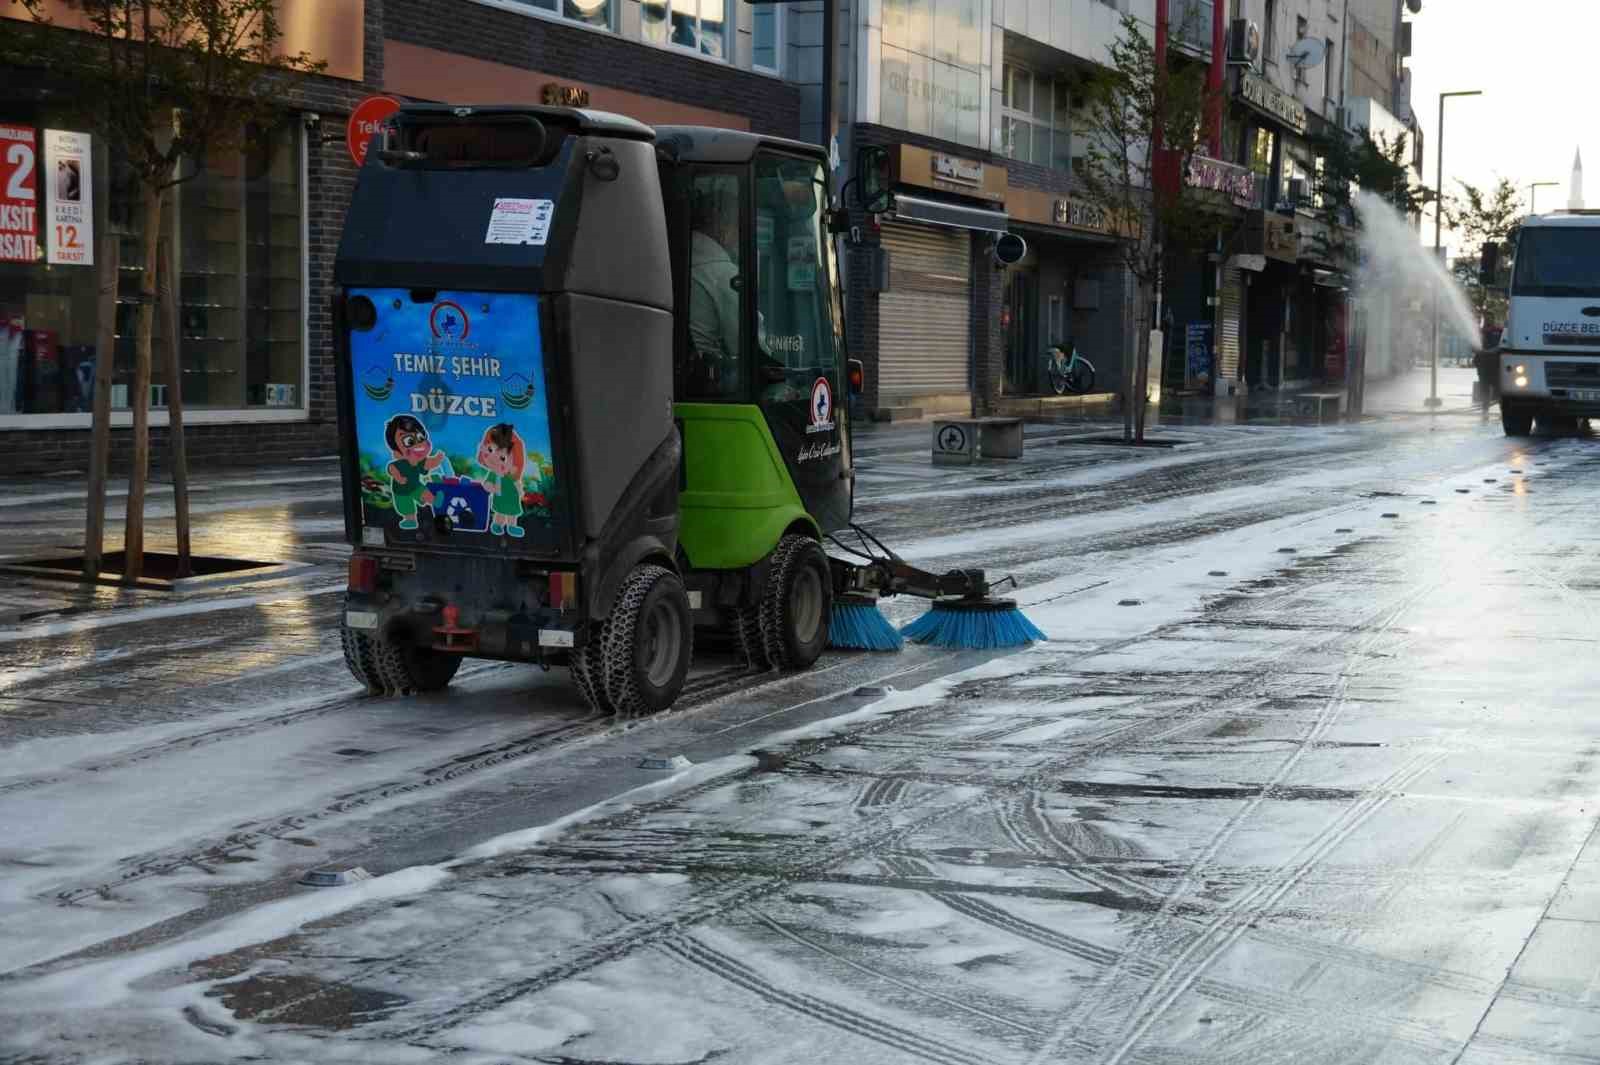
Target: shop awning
954,215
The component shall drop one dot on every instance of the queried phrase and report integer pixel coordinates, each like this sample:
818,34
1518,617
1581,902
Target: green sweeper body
591,384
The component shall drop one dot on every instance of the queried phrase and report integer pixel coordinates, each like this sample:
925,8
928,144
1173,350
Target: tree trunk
133,536
167,283
105,357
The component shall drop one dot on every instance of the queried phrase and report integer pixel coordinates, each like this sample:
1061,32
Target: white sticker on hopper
517,221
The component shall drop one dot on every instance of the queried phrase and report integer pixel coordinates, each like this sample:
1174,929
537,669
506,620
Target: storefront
1275,351
1207,303
237,234
947,212
1065,291
246,236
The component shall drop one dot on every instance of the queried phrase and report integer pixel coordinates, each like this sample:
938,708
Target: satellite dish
1307,52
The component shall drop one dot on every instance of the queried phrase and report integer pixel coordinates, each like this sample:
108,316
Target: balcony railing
1190,25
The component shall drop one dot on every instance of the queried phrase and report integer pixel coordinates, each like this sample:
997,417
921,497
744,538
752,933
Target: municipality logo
447,321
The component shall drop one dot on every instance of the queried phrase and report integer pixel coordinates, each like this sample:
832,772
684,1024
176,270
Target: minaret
1575,195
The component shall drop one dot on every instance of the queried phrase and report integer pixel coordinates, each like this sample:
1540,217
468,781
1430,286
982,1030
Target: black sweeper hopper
504,313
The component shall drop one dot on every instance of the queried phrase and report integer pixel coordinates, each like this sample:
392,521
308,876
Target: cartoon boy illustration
504,455
414,458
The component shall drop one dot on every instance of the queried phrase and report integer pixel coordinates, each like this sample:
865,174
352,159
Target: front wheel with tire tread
797,604
648,642
1514,421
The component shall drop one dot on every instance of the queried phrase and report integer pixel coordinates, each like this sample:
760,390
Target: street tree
1129,106
1483,216
169,84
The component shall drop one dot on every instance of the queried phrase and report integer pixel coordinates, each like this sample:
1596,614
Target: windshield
1558,262
796,326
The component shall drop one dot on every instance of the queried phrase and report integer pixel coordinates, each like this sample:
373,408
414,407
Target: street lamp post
1533,194
1438,251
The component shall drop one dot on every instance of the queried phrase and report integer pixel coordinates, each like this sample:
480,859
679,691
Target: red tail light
563,590
363,574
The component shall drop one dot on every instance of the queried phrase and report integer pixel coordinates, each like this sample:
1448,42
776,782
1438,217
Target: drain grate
160,570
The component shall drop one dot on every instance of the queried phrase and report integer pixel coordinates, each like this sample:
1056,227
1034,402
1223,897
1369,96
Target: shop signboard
1241,185
1273,101
19,195
69,241
365,121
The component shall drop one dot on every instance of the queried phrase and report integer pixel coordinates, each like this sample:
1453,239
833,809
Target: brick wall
545,45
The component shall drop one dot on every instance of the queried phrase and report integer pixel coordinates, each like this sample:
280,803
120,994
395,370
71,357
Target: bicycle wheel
1058,378
1079,377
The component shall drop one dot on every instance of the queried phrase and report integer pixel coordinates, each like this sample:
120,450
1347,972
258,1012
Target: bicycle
1074,375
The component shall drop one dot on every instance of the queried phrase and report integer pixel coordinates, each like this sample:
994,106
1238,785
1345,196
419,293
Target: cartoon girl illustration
414,458
504,455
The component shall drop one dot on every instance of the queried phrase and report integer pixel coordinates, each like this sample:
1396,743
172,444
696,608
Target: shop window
698,25
588,12
235,236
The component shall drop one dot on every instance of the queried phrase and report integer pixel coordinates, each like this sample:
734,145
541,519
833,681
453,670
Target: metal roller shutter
1232,312
923,319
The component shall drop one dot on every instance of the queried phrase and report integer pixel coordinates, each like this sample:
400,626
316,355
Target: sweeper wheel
648,642
361,658
797,605
406,669
588,675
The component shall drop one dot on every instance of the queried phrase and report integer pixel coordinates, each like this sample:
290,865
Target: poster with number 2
19,195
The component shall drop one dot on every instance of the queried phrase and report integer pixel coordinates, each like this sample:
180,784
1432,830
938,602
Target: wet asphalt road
1307,771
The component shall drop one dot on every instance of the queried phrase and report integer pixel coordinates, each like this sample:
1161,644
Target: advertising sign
365,120
452,418
19,195
1197,352
70,239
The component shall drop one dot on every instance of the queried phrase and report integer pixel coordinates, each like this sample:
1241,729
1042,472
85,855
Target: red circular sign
366,120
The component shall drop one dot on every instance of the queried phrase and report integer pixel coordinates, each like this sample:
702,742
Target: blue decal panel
452,419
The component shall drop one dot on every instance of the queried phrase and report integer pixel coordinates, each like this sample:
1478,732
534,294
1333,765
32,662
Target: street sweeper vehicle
589,387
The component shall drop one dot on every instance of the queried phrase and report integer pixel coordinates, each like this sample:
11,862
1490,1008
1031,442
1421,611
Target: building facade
255,236
975,101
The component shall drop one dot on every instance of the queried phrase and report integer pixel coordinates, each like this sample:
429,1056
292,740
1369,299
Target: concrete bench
1318,405
962,441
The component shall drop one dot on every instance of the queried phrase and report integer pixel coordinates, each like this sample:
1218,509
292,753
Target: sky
1538,63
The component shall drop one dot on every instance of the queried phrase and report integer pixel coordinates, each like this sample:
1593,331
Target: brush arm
895,576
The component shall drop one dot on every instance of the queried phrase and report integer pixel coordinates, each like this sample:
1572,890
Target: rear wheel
796,606
1080,378
588,672
648,642
407,669
1514,420
360,656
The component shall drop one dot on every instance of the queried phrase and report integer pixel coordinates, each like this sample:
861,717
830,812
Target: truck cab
1549,359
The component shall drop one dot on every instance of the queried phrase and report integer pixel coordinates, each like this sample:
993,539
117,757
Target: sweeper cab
590,390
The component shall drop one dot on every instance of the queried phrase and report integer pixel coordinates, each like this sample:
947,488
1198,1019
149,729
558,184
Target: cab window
715,365
796,338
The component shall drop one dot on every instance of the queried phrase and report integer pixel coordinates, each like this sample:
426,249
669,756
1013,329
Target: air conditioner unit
1244,41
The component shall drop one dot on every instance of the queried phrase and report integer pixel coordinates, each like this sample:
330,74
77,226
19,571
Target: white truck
1550,349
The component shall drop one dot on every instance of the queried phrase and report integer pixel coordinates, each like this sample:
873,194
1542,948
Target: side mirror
872,179
855,376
